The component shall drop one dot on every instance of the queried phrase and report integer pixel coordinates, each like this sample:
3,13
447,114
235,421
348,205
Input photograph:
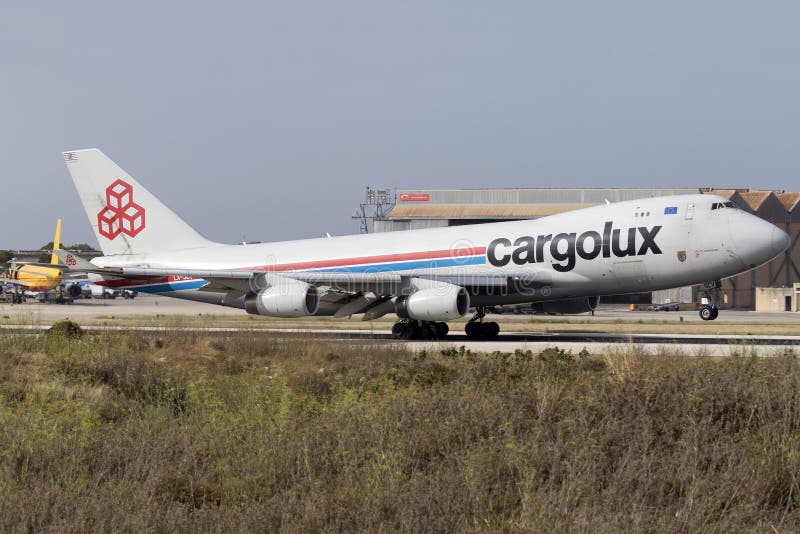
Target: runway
161,314
152,305
594,342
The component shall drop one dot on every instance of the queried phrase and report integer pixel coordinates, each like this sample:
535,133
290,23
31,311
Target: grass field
247,432
509,323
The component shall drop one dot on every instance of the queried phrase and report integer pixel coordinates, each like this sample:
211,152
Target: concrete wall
773,299
679,294
384,225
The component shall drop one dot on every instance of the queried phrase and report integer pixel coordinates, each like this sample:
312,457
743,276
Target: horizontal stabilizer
73,262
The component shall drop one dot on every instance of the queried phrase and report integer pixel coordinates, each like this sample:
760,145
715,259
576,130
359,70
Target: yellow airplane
37,276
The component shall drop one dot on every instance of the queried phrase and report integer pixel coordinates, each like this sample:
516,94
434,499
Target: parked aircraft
429,276
34,278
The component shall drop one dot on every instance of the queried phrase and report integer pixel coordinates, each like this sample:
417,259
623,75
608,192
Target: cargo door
631,276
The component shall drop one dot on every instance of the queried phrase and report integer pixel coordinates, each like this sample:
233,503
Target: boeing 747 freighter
566,261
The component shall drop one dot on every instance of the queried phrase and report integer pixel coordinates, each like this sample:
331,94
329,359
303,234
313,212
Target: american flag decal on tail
70,156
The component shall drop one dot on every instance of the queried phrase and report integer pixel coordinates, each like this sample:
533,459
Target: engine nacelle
569,306
74,290
289,298
438,302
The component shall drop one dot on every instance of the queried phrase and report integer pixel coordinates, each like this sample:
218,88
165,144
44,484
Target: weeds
254,432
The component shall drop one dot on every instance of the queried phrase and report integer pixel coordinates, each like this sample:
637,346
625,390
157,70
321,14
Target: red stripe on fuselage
319,264
127,282
385,258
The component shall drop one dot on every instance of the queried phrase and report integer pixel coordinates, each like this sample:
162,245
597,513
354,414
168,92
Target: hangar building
414,209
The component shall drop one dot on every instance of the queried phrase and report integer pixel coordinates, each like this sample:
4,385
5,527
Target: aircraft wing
352,293
238,278
12,282
346,282
383,282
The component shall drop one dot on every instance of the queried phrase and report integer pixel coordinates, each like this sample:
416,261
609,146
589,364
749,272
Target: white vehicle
96,291
424,276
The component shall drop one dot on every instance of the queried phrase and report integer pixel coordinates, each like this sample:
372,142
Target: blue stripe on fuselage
170,286
406,265
374,268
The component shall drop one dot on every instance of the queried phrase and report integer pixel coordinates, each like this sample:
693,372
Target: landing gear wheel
707,313
482,330
490,330
406,329
477,329
709,310
400,330
416,331
473,330
441,330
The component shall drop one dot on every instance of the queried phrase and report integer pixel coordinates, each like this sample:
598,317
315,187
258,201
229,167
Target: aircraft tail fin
126,217
56,243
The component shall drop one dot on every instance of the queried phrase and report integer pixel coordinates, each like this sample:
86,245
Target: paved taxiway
41,315
157,305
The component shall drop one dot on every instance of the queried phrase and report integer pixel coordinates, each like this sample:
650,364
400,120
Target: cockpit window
720,205
730,205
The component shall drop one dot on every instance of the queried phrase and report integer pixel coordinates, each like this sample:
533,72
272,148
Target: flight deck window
720,205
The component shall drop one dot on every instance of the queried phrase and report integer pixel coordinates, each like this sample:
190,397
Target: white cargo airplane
564,261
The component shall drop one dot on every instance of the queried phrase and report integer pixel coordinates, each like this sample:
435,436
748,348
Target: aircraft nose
780,240
756,240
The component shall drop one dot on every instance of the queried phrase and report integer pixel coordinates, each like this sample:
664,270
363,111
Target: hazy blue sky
265,121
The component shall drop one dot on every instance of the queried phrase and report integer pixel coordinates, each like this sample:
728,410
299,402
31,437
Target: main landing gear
477,329
708,307
411,329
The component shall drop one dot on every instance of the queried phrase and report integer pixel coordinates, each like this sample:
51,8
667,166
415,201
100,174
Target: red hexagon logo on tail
121,215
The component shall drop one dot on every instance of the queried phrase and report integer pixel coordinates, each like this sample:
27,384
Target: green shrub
65,329
132,432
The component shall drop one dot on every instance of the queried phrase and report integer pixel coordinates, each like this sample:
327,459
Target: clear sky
266,120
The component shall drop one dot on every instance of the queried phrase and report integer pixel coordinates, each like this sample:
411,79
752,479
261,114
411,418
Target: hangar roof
533,203
481,211
790,201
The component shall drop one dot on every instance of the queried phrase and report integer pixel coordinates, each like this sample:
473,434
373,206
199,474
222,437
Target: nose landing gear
477,329
708,308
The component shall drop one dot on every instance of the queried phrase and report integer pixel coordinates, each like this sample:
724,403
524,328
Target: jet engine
569,306
434,302
289,298
74,290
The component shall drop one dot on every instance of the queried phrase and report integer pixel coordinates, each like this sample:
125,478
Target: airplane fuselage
625,247
36,277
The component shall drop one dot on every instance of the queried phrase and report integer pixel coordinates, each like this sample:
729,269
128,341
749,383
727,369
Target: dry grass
248,432
630,324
